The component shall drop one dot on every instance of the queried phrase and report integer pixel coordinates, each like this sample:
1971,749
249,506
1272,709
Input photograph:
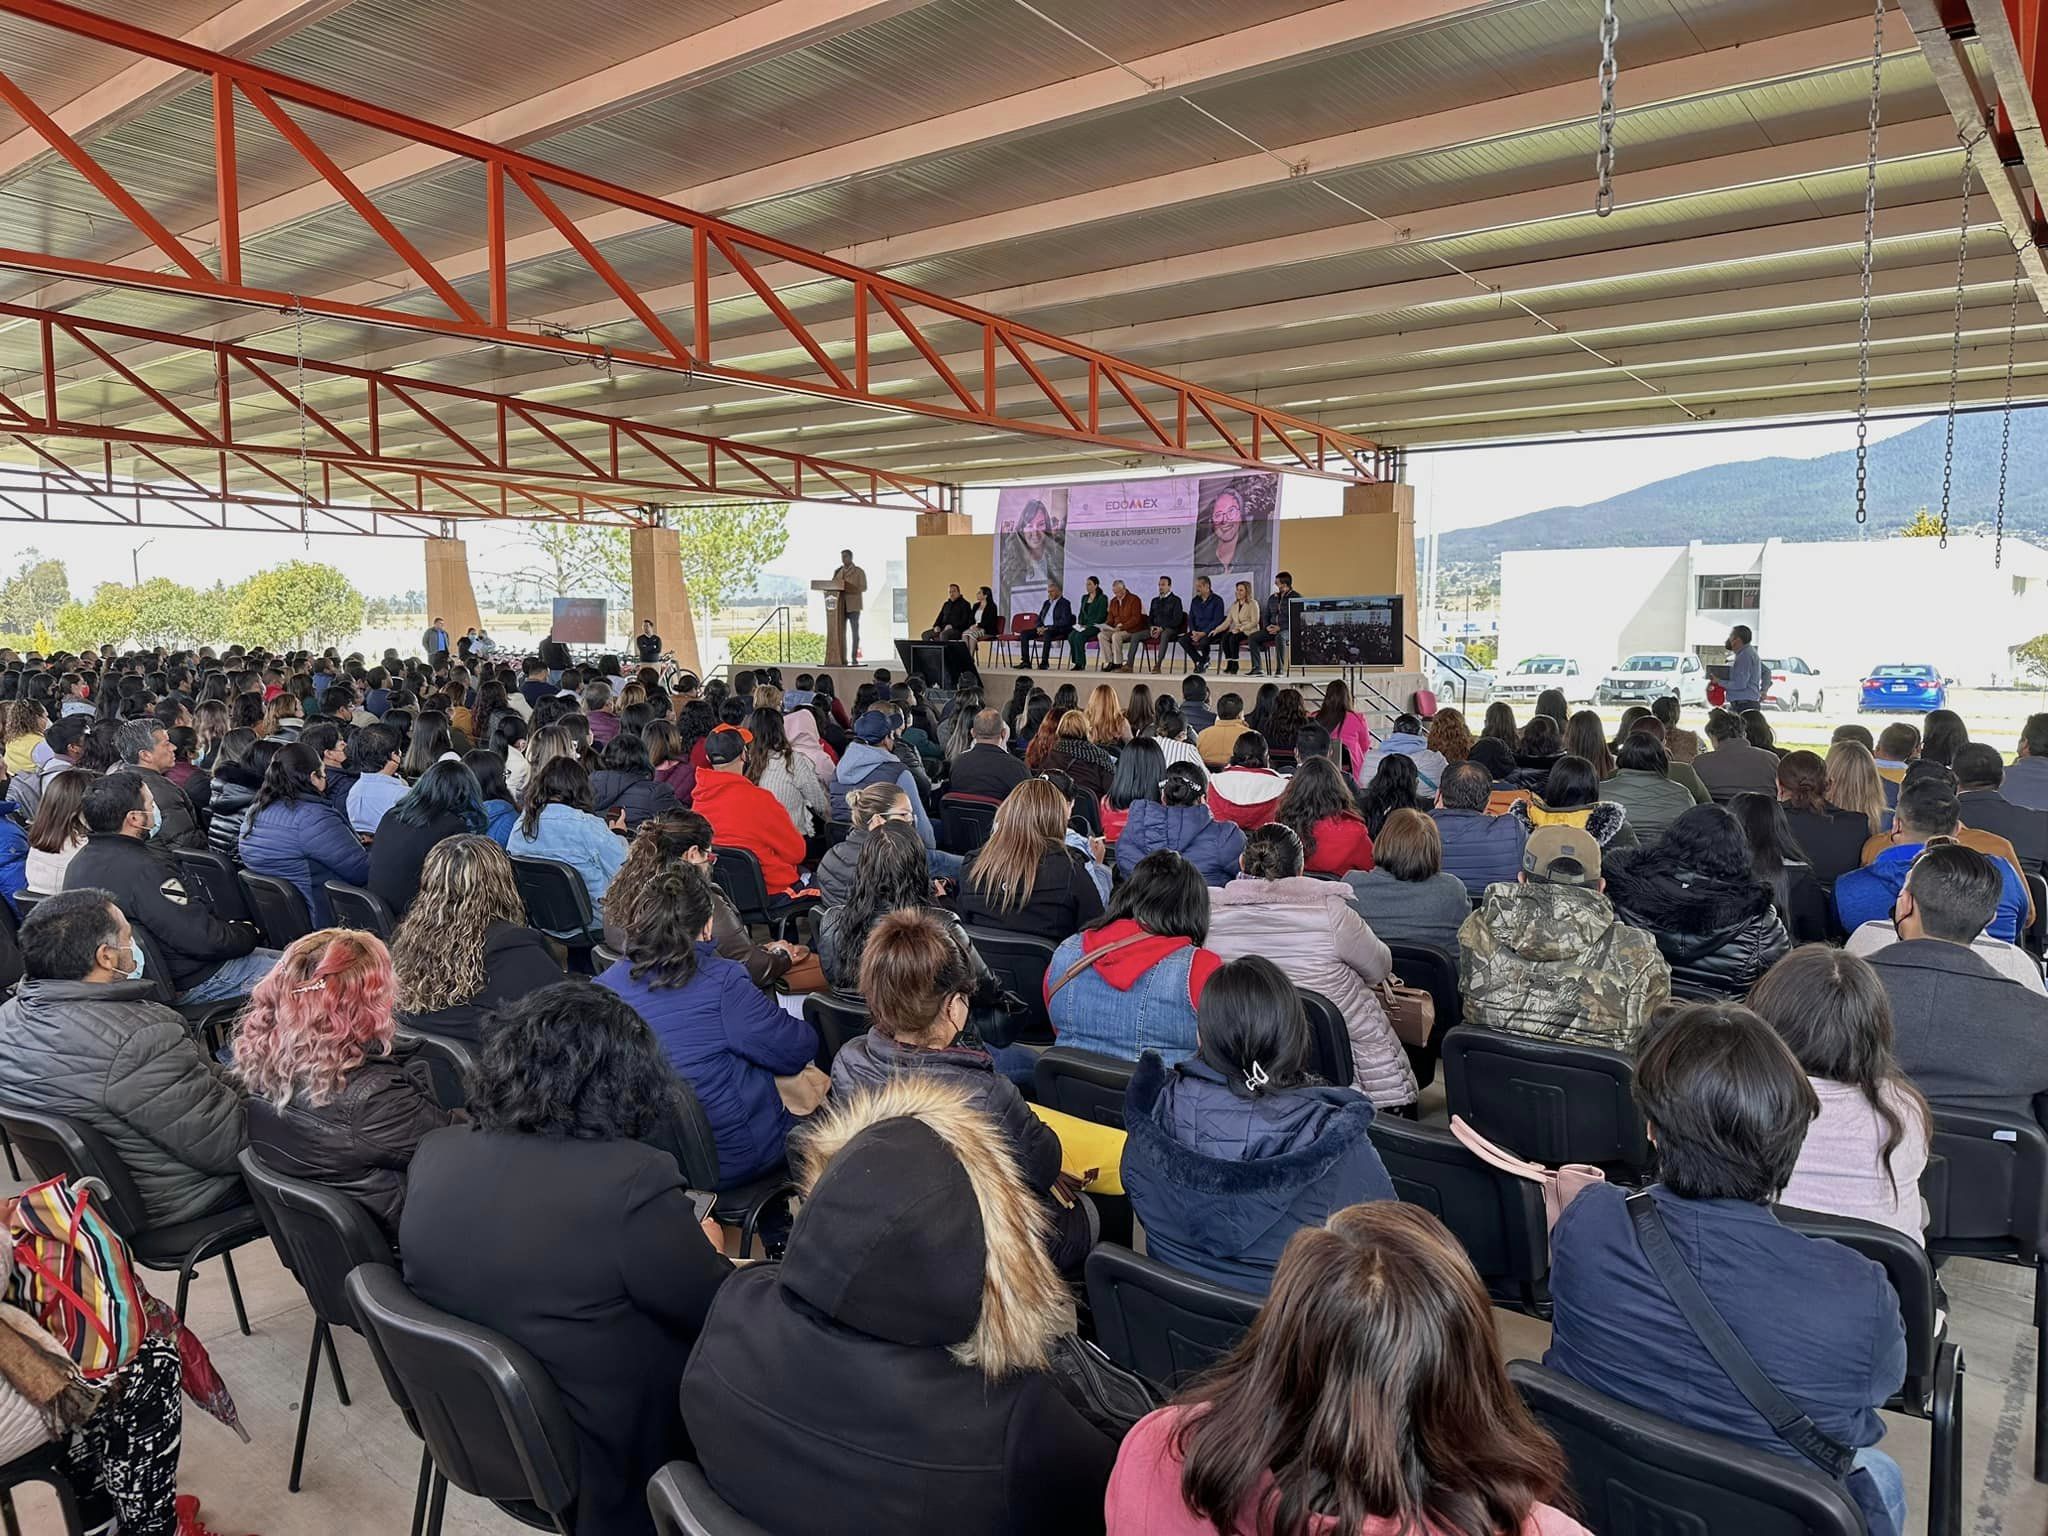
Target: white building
1843,607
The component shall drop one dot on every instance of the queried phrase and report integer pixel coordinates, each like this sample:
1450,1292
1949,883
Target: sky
1458,488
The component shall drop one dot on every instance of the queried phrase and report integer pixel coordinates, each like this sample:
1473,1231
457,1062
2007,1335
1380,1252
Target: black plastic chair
557,900
965,821
491,1419
1632,1471
44,1464
1933,1388
1083,1084
684,1504
280,910
2035,939
1989,1196
212,878
1547,1100
58,1146
1329,1039
1427,967
838,1018
697,1154
1158,1322
602,958
452,1062
206,1021
320,1235
1496,1217
1020,961
354,907
738,872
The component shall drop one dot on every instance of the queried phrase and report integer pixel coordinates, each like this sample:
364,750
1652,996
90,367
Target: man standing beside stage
435,642
648,643
1745,671
1273,622
852,581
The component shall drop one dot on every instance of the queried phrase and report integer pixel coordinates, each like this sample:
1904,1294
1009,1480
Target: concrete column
659,593
449,594
931,523
1384,515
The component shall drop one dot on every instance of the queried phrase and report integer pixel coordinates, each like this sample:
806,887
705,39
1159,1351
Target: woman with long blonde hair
1025,878
210,721
328,1100
464,947
22,724
282,717
1854,784
1107,726
544,746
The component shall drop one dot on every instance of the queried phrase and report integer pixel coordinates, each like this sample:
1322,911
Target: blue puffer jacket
13,852
1479,849
730,1041
1222,1180
1212,846
307,842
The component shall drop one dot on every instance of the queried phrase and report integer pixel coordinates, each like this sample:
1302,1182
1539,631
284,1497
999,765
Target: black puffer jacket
361,1141
125,1065
1720,934
234,791
639,795
873,1058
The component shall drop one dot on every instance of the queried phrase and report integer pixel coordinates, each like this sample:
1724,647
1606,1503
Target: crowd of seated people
1808,959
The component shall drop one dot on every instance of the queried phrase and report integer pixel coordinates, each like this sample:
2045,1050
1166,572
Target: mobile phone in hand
701,1202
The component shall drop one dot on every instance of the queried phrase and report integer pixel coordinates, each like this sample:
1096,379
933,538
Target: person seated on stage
1166,619
1125,622
1207,620
1241,629
1055,623
956,616
1088,623
988,618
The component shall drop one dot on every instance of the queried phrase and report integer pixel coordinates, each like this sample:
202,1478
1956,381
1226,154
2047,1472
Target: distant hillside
1797,498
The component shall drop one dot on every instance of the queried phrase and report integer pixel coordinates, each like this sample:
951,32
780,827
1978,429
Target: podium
835,632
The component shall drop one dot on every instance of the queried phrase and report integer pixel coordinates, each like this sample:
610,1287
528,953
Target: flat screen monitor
1347,631
580,620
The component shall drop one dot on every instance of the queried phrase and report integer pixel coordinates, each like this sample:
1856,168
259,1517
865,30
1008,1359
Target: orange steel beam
572,449
874,303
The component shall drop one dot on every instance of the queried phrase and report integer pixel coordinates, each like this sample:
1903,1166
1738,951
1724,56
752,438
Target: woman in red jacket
1319,807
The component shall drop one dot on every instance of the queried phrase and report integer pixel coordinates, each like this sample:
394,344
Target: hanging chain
2012,343
1610,69
1869,260
299,349
1955,346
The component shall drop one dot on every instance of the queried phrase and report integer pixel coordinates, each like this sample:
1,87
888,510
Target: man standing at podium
852,582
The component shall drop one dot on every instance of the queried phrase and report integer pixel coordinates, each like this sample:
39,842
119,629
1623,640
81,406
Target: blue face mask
156,818
134,972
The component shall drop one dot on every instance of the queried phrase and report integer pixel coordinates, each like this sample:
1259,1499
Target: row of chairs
1013,645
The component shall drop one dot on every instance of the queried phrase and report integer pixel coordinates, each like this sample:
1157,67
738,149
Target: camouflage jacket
1555,963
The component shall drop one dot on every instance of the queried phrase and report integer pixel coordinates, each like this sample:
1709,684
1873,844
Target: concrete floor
362,1462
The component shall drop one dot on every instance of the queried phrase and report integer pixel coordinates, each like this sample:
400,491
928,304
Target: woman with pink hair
328,1099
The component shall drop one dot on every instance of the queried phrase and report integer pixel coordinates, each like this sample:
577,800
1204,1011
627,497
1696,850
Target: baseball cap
874,726
1547,845
723,747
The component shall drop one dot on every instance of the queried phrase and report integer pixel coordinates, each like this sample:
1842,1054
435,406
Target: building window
1725,592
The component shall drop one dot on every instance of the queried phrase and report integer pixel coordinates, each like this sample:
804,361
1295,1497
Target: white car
1533,675
1650,675
1789,683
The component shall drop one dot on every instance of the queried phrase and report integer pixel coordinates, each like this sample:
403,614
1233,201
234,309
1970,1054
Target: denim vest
1155,1015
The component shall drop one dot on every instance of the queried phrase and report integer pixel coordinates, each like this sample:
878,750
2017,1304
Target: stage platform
1396,689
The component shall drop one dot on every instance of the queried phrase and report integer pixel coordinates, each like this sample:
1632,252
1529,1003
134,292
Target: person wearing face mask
84,1036
208,960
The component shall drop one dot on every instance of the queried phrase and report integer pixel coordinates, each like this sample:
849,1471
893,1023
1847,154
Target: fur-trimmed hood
854,1239
1651,894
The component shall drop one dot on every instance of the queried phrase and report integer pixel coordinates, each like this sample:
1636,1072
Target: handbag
802,1092
1093,958
1787,1419
1411,1010
73,1275
1561,1186
1102,1392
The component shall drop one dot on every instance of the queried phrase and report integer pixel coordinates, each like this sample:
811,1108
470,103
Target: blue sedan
1903,688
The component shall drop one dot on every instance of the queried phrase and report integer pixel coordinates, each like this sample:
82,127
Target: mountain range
1807,499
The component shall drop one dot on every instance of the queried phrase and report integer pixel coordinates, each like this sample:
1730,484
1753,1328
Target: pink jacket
1355,735
1144,1494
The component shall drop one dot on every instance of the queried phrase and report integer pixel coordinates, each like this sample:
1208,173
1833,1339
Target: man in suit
1167,618
1055,623
852,582
1967,1036
988,767
1735,767
1980,779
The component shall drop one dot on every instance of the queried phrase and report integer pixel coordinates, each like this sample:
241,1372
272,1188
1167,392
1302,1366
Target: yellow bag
1085,1145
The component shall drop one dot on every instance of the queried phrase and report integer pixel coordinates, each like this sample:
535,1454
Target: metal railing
1464,683
785,627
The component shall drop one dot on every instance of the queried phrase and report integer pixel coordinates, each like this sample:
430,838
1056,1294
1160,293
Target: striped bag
72,1273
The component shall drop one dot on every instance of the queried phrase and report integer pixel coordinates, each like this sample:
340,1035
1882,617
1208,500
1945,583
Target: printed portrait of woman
1034,547
1234,531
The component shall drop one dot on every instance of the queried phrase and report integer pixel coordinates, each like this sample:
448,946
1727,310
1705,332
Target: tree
106,620
1483,649
34,593
170,614
724,548
1923,526
2032,657
296,604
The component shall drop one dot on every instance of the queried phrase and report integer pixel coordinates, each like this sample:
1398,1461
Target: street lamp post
135,560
